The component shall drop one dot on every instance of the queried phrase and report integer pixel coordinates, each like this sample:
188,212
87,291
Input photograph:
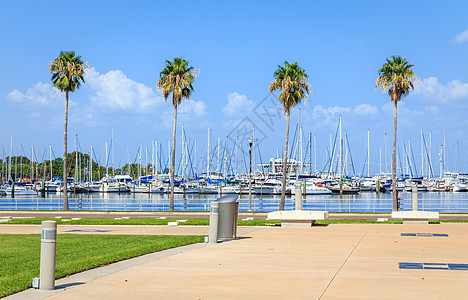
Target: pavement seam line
346,260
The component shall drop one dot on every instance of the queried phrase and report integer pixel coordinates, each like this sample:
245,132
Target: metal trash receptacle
228,213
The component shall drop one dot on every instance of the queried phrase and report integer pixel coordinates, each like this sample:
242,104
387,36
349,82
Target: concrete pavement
339,261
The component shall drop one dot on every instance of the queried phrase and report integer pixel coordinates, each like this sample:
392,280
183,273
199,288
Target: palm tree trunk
171,199
65,175
394,182
285,160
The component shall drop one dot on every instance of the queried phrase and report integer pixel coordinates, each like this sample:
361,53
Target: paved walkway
340,261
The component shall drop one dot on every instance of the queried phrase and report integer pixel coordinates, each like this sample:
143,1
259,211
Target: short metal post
214,217
414,194
298,193
43,189
48,254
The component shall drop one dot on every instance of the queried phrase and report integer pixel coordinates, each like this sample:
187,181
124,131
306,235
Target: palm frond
396,77
67,71
293,83
176,78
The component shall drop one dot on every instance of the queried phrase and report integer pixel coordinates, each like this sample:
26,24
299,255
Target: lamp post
250,173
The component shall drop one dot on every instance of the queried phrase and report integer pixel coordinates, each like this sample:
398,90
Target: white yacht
209,189
461,185
113,185
21,190
316,189
269,187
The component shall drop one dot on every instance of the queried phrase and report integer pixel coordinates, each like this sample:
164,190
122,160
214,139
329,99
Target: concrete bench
297,218
415,217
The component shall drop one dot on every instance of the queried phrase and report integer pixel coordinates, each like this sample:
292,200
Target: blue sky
236,47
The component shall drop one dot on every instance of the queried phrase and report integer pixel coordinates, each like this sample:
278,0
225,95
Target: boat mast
430,154
225,154
32,163
341,153
146,160
254,156
183,157
368,153
195,159
409,157
386,154
76,157
112,149
218,163
106,160
50,160
310,153
21,162
156,157
139,165
380,160
152,158
315,153
9,159
444,164
208,156
331,154
441,161
301,163
90,177
422,155
237,150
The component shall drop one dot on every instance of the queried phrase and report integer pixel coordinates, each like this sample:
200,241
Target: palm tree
294,85
396,77
176,78
67,75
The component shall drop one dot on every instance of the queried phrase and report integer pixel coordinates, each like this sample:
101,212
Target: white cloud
328,116
237,105
432,88
115,91
192,108
461,37
42,94
190,112
365,109
325,116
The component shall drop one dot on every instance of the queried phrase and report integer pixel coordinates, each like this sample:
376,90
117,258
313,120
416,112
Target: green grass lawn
202,221
20,254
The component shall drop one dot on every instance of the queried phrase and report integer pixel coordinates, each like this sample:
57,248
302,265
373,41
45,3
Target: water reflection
364,202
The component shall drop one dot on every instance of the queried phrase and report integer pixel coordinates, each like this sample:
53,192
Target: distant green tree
397,77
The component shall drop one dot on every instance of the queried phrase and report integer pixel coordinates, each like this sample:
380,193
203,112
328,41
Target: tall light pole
250,173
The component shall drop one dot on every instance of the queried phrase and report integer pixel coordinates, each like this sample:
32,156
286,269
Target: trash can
228,213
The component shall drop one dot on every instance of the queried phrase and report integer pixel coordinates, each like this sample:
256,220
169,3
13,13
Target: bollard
48,251
304,190
43,189
414,194
298,193
214,217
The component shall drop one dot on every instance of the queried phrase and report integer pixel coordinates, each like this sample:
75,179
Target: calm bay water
364,202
